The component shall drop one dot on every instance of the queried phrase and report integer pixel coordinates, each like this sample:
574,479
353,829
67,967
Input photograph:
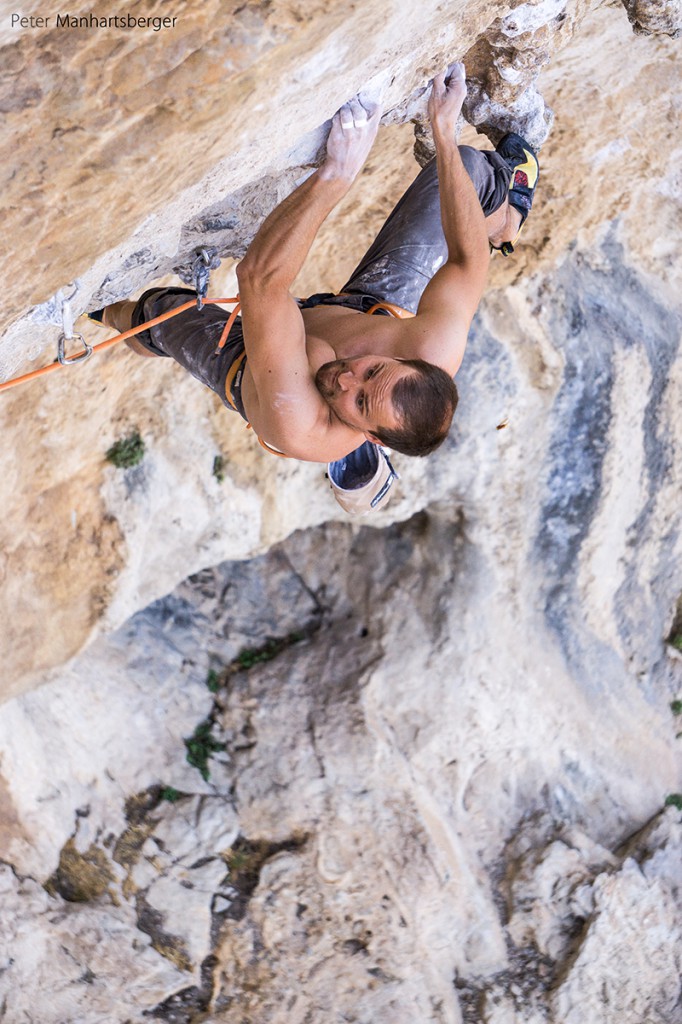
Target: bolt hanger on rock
68,333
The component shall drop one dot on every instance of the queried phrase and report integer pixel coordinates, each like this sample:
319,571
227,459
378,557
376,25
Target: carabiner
80,357
206,259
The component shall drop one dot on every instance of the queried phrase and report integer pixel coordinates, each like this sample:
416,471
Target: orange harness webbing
397,311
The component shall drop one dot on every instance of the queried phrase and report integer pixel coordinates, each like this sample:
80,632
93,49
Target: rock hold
655,17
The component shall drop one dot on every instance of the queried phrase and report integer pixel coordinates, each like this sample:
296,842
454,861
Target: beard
326,378
326,382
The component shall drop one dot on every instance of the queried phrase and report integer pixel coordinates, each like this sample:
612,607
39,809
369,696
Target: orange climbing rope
390,308
129,334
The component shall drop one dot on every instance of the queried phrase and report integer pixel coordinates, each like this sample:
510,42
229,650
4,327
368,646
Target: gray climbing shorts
411,246
191,338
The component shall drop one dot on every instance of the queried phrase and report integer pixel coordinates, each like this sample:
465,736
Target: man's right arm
452,296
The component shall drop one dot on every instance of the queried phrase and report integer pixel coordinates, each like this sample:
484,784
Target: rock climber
317,378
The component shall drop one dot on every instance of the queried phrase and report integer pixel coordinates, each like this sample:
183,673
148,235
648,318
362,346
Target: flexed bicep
445,312
281,399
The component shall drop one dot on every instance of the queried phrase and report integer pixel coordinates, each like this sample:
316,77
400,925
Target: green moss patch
200,746
127,452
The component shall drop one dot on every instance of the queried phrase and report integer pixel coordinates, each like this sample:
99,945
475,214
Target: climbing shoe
516,152
97,317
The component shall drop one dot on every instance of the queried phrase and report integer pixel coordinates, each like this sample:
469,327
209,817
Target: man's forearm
463,219
280,247
461,213
283,241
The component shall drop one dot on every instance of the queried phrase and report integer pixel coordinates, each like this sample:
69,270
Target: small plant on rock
127,452
170,794
219,468
200,746
254,655
213,680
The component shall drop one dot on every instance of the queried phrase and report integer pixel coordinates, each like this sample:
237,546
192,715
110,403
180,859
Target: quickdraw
68,332
205,260
70,361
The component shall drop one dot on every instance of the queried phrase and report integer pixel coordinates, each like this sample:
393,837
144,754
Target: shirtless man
320,377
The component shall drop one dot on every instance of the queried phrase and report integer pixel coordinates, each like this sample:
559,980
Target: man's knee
138,348
478,168
489,174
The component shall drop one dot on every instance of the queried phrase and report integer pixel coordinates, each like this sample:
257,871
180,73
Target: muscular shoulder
305,431
436,337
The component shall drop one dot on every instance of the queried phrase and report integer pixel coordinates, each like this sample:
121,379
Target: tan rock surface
97,112
94,542
437,773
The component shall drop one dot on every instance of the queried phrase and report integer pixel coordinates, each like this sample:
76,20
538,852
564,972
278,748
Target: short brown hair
425,403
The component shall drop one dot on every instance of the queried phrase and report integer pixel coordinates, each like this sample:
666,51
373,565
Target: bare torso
336,332
321,419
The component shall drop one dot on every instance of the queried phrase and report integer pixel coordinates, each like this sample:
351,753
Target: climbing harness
390,307
229,381
232,373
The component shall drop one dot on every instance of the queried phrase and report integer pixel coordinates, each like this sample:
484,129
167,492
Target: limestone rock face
88,535
343,759
261,763
658,18
123,112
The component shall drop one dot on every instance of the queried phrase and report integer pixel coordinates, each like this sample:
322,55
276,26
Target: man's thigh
411,246
191,338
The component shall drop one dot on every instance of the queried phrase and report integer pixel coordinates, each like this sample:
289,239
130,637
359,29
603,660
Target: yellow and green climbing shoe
525,173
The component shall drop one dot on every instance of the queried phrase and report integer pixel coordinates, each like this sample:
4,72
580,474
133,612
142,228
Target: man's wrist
334,174
444,136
